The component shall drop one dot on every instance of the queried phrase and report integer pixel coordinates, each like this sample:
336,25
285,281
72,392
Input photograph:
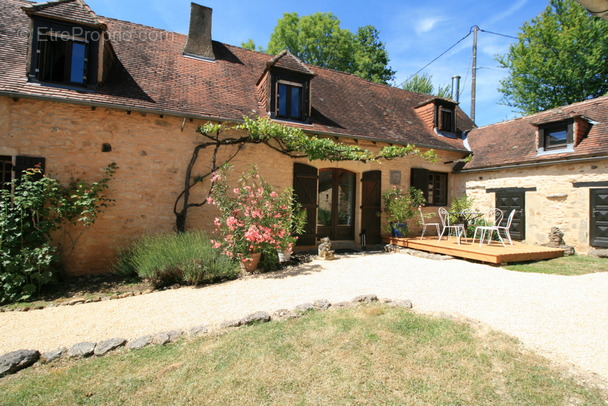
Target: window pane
5,172
325,198
282,100
446,120
556,137
77,68
431,189
295,102
346,199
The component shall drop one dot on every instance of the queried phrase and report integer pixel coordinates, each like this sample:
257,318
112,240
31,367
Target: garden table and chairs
458,229
425,224
493,220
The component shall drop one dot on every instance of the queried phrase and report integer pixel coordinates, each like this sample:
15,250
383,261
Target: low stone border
17,360
77,301
416,253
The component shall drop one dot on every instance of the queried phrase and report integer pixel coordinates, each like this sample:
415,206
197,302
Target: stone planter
284,256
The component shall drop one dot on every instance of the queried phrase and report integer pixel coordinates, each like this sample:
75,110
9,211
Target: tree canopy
424,84
317,39
561,57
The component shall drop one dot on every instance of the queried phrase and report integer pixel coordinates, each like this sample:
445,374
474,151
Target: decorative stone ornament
325,251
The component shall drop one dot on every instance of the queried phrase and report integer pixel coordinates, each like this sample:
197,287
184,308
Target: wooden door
507,200
305,188
371,206
598,222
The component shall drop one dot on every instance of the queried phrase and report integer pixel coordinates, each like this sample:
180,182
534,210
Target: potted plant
255,221
400,205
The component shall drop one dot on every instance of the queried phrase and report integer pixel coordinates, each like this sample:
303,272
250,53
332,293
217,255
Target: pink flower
210,200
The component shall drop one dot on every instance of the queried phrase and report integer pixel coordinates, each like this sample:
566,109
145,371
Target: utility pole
474,72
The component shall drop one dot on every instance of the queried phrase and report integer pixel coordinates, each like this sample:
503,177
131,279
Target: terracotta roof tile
286,60
151,73
70,10
514,141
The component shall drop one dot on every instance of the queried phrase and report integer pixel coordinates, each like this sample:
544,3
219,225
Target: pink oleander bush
254,217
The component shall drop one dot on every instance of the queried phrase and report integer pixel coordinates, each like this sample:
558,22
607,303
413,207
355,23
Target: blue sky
415,32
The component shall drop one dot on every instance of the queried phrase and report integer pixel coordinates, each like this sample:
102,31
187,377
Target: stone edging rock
17,360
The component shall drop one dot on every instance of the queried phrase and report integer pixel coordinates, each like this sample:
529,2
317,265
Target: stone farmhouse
551,166
79,91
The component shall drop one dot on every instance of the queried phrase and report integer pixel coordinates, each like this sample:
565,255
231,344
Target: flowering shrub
253,216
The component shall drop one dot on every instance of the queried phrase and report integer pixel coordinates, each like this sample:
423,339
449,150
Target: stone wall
555,202
152,152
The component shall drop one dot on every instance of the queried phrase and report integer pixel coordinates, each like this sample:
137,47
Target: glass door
336,210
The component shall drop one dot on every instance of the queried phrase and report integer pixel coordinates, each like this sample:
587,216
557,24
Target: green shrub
187,258
30,209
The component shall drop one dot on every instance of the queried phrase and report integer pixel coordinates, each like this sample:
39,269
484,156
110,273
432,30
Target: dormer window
555,137
446,122
61,59
284,88
289,100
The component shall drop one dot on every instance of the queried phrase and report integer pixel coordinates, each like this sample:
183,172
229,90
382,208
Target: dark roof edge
525,164
172,113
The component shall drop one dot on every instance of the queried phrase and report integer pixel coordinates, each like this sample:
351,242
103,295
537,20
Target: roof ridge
35,7
104,18
570,107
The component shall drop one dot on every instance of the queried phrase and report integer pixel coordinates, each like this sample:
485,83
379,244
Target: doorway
598,224
507,200
336,204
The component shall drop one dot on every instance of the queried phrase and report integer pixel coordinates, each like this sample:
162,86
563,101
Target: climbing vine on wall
289,141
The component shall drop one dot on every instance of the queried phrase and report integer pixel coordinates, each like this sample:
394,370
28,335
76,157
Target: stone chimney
199,43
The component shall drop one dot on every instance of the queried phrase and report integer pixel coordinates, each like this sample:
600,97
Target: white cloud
427,24
508,12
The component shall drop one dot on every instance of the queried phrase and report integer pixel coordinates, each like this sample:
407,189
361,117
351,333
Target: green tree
424,84
561,57
251,46
371,58
318,40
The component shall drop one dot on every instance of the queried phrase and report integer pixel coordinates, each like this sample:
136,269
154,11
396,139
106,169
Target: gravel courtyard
564,317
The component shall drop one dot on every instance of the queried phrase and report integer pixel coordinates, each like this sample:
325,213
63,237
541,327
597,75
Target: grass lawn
572,265
368,355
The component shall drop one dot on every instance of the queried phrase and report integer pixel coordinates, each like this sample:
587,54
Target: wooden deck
494,253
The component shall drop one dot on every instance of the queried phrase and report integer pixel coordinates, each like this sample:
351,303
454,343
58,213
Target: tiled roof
152,74
70,10
287,61
514,142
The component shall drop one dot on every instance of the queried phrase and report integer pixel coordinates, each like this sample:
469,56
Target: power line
496,33
443,53
450,48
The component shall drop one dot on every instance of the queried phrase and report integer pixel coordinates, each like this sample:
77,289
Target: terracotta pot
251,263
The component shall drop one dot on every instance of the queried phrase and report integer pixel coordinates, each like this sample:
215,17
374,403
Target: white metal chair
506,227
425,224
492,218
444,216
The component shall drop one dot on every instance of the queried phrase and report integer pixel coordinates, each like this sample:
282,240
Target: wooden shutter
507,200
305,188
419,178
371,206
23,163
